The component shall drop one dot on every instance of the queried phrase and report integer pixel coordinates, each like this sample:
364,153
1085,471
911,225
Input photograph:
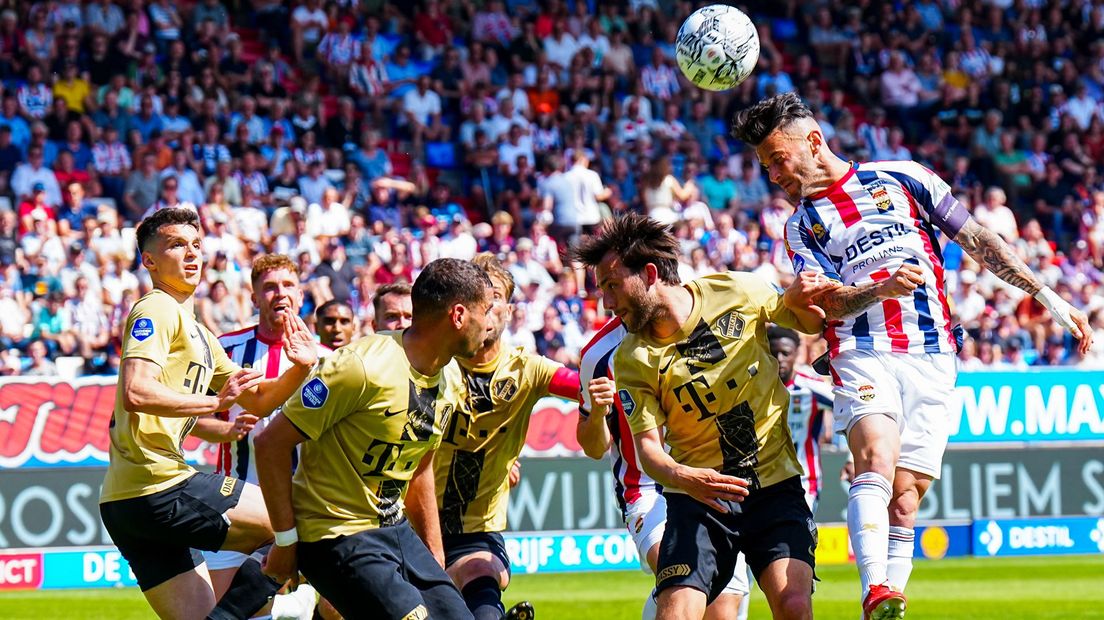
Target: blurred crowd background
367,138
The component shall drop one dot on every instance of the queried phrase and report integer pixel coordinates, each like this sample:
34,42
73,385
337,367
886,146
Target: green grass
978,589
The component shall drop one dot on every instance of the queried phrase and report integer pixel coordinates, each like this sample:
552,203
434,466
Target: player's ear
458,315
651,274
147,260
815,140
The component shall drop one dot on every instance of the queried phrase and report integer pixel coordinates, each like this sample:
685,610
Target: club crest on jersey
142,329
505,389
881,198
866,392
730,325
315,393
818,230
627,403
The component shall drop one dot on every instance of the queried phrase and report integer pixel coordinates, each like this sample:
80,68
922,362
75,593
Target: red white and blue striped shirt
809,399
879,216
248,349
630,480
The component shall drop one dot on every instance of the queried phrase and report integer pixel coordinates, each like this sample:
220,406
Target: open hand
238,383
710,487
243,423
299,345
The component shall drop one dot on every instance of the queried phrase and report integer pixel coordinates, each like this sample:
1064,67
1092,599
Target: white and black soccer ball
717,47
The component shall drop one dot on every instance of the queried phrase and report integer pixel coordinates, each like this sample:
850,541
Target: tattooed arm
991,252
842,301
988,249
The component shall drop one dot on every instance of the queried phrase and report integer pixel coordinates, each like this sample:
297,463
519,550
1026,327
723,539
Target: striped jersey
879,216
809,399
629,478
248,349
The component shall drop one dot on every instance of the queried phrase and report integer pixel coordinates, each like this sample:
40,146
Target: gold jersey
370,419
713,386
485,437
146,455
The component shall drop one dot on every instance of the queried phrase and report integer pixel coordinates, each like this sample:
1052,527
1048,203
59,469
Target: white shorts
913,389
222,560
646,519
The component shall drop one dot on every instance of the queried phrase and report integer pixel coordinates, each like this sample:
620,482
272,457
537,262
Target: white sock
650,607
295,605
901,547
868,526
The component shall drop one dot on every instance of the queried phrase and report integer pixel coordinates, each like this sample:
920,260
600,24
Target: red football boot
884,603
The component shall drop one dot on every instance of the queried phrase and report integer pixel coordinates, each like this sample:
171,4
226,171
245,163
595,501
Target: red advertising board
53,422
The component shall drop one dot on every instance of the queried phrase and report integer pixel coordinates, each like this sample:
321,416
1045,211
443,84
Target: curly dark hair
636,240
753,125
151,226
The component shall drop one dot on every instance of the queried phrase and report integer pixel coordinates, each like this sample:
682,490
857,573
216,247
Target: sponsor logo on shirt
818,230
142,329
315,393
798,263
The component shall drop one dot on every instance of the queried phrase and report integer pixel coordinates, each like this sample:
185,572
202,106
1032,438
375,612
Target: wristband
1058,307
287,538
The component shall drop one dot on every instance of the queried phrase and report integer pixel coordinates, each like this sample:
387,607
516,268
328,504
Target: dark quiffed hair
753,125
150,226
636,240
394,288
774,332
444,283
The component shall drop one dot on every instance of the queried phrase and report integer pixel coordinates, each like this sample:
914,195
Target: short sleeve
540,371
767,299
636,395
805,251
153,325
335,388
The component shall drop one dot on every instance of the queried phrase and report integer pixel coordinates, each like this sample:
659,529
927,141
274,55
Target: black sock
248,593
484,599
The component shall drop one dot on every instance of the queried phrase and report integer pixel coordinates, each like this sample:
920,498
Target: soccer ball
717,47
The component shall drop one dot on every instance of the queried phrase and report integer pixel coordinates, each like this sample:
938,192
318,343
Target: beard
640,317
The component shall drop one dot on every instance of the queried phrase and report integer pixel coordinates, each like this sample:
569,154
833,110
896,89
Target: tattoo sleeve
989,250
845,301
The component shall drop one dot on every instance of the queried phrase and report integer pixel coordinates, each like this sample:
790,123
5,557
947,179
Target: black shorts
380,574
700,545
158,534
460,545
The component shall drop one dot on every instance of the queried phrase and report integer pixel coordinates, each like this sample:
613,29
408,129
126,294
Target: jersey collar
838,184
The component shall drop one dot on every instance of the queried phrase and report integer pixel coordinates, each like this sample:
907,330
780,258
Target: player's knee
903,507
794,604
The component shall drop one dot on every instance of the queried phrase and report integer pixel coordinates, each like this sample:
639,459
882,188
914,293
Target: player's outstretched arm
591,431
144,392
421,508
214,430
274,448
989,250
300,349
705,485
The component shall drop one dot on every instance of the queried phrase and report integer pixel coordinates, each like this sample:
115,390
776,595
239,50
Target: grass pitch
974,588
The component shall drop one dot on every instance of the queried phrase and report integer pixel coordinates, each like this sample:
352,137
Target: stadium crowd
365,139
